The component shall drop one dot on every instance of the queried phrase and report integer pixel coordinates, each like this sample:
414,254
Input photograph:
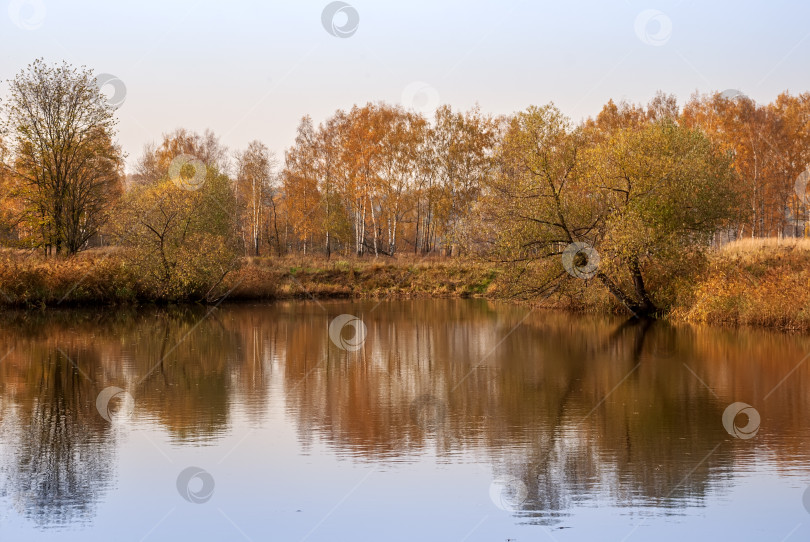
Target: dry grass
98,276
761,282
108,277
759,247
405,276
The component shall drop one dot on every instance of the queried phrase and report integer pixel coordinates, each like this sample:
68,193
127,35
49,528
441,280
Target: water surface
454,420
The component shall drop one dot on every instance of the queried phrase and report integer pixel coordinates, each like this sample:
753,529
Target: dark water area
406,420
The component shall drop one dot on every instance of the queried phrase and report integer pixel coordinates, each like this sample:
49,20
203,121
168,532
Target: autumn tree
11,205
792,147
147,168
254,191
332,166
300,180
640,200
751,134
64,157
181,227
351,179
394,137
205,147
455,161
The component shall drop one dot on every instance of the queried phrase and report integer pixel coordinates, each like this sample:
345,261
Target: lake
463,420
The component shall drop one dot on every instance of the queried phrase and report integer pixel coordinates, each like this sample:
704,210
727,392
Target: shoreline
753,284
102,278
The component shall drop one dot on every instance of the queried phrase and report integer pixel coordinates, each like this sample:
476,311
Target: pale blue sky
250,70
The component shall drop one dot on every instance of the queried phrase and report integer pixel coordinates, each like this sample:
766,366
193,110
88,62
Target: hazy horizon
251,71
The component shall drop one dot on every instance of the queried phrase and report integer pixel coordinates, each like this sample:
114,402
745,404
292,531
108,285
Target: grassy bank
107,277
757,282
384,277
762,283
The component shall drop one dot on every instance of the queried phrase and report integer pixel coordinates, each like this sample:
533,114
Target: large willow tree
61,131
623,203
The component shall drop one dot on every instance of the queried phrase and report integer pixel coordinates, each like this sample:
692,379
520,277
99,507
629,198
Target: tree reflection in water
580,409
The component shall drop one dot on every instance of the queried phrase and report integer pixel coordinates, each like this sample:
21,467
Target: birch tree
253,190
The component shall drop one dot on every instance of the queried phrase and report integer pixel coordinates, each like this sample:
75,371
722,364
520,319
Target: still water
441,420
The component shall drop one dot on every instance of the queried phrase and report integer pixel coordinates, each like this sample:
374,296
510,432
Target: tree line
636,183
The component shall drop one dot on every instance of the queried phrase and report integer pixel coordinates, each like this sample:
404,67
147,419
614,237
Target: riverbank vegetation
755,282
627,211
108,276
748,282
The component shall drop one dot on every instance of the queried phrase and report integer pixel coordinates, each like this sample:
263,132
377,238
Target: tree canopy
64,160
